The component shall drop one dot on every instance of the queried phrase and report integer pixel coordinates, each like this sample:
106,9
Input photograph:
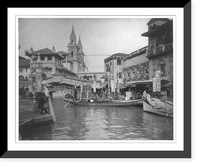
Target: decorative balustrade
161,49
72,58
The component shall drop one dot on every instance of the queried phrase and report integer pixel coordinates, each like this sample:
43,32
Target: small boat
112,103
157,106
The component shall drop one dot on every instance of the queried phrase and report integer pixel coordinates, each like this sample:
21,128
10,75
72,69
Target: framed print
99,83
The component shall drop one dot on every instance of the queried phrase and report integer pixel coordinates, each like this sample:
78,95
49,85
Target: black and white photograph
99,83
96,78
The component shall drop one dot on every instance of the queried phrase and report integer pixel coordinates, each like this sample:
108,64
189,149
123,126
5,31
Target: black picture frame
186,153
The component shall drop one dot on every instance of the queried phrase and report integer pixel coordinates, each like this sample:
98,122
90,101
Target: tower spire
79,41
72,36
72,33
80,44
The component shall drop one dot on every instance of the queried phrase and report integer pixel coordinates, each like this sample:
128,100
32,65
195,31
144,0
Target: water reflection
103,123
106,123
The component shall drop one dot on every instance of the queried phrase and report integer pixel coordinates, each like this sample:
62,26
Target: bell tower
75,52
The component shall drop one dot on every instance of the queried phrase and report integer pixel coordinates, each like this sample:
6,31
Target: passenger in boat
91,100
138,95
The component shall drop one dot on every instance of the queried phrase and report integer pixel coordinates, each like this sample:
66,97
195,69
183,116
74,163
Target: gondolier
75,93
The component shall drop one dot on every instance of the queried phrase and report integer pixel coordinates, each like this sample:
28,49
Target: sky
100,37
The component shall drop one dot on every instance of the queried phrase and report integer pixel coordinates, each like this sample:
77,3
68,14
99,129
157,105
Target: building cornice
158,29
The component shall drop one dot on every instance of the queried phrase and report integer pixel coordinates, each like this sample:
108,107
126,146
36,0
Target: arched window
168,38
152,47
159,41
21,78
162,67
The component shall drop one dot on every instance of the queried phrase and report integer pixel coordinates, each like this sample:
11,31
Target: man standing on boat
75,93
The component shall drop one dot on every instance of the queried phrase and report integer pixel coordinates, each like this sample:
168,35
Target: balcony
71,58
159,50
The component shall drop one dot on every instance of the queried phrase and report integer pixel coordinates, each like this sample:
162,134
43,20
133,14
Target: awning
168,85
54,79
70,82
145,82
102,86
164,82
148,82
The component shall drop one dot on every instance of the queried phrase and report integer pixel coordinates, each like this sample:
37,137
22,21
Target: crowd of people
104,96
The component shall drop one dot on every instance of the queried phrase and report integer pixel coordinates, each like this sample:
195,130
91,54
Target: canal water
104,123
108,123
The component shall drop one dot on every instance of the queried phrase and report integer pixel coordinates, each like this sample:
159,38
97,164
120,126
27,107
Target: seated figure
91,100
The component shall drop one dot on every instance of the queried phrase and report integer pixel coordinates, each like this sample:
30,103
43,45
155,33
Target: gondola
157,106
112,103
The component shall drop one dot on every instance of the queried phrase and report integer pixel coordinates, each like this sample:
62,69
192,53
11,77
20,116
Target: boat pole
66,104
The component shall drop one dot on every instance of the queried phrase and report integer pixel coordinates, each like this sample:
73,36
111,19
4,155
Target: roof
64,80
24,63
136,53
66,69
154,19
20,57
57,74
45,51
119,54
54,79
113,56
88,73
24,57
62,53
160,28
146,82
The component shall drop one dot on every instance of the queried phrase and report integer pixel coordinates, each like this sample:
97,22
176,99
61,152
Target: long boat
112,103
157,106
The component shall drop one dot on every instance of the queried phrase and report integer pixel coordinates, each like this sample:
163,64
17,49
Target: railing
72,58
161,49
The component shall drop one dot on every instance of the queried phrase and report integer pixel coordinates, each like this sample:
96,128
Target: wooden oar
66,104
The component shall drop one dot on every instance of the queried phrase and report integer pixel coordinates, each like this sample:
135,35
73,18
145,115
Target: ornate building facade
46,64
51,62
136,66
160,50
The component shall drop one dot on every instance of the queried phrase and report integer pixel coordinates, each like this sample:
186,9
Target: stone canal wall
32,121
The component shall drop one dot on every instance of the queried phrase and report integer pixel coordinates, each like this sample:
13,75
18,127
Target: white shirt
46,91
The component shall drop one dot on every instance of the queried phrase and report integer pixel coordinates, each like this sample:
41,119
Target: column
38,74
30,83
